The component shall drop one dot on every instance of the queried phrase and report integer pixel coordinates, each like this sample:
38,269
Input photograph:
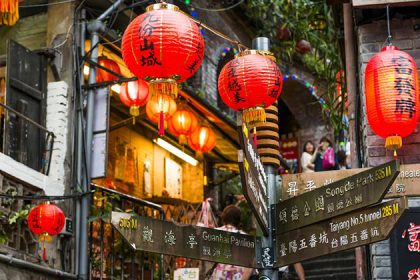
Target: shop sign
193,242
405,246
358,191
406,183
253,177
341,233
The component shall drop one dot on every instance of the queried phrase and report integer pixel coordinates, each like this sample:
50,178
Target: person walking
305,160
323,157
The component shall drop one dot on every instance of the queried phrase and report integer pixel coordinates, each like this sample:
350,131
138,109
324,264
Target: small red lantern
340,83
134,94
182,124
104,76
392,95
202,140
160,108
164,47
9,12
250,83
303,46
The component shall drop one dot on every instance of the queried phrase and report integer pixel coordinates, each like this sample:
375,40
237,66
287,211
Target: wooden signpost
349,194
358,228
163,237
253,177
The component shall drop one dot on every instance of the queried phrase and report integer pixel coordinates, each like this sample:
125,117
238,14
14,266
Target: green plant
20,215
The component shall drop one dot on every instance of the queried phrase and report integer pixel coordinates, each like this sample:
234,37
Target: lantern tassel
9,12
182,139
255,136
161,124
254,115
393,142
44,254
134,111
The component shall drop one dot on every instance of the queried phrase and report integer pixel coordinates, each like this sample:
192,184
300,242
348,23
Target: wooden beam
383,3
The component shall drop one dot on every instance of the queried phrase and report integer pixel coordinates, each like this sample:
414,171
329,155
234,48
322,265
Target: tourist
305,159
323,157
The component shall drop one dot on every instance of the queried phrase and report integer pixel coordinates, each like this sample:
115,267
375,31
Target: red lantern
340,83
134,94
9,12
182,124
160,108
104,76
202,140
163,46
392,95
303,46
250,83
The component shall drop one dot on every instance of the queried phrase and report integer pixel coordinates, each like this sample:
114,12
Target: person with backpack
323,157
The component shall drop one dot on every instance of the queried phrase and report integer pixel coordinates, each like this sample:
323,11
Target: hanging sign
253,177
346,195
341,233
193,242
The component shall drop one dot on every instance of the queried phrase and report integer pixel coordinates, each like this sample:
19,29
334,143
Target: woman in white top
305,159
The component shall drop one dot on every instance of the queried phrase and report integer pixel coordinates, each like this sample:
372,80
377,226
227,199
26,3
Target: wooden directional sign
406,183
341,233
163,237
253,177
349,194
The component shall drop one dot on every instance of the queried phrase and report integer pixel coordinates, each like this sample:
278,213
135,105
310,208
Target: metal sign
349,194
338,234
188,241
406,183
253,177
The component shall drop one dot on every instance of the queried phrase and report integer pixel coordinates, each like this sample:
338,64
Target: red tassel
44,254
255,136
162,124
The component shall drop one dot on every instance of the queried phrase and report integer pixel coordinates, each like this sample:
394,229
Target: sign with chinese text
193,242
406,183
341,233
253,177
405,246
355,192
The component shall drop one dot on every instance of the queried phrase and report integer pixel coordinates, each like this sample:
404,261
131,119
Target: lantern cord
389,39
45,197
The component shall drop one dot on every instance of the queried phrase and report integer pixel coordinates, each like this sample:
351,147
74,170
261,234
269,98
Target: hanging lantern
392,95
134,94
303,46
340,84
182,124
202,140
46,219
9,12
164,47
250,83
159,109
104,76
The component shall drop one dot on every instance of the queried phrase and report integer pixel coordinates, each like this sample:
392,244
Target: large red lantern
202,140
159,109
250,83
392,95
105,76
134,94
164,47
182,124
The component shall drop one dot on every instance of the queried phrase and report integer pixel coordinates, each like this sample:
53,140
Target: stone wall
371,38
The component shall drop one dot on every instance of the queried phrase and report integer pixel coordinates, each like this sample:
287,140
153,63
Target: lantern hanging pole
389,39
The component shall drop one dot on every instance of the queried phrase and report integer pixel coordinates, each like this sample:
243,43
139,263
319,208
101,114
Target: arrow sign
253,177
338,234
352,193
163,237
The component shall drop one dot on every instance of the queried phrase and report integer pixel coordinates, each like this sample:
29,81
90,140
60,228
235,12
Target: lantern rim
389,48
267,54
162,6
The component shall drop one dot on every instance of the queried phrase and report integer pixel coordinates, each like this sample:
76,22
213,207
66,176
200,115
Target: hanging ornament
105,76
164,47
46,219
303,47
182,124
9,12
340,85
159,109
283,34
392,95
202,140
134,94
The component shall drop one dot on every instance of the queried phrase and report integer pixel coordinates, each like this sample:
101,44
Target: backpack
328,160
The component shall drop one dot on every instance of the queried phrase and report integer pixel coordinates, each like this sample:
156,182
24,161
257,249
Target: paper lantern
182,124
250,83
303,47
134,94
46,219
163,46
104,76
159,109
202,140
9,12
392,95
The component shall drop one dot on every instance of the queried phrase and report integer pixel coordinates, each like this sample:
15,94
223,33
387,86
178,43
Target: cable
45,197
47,4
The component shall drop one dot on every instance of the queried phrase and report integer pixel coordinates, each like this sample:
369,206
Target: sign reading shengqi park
163,237
253,177
349,194
341,233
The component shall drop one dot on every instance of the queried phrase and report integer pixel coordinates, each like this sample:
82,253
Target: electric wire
46,4
45,197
